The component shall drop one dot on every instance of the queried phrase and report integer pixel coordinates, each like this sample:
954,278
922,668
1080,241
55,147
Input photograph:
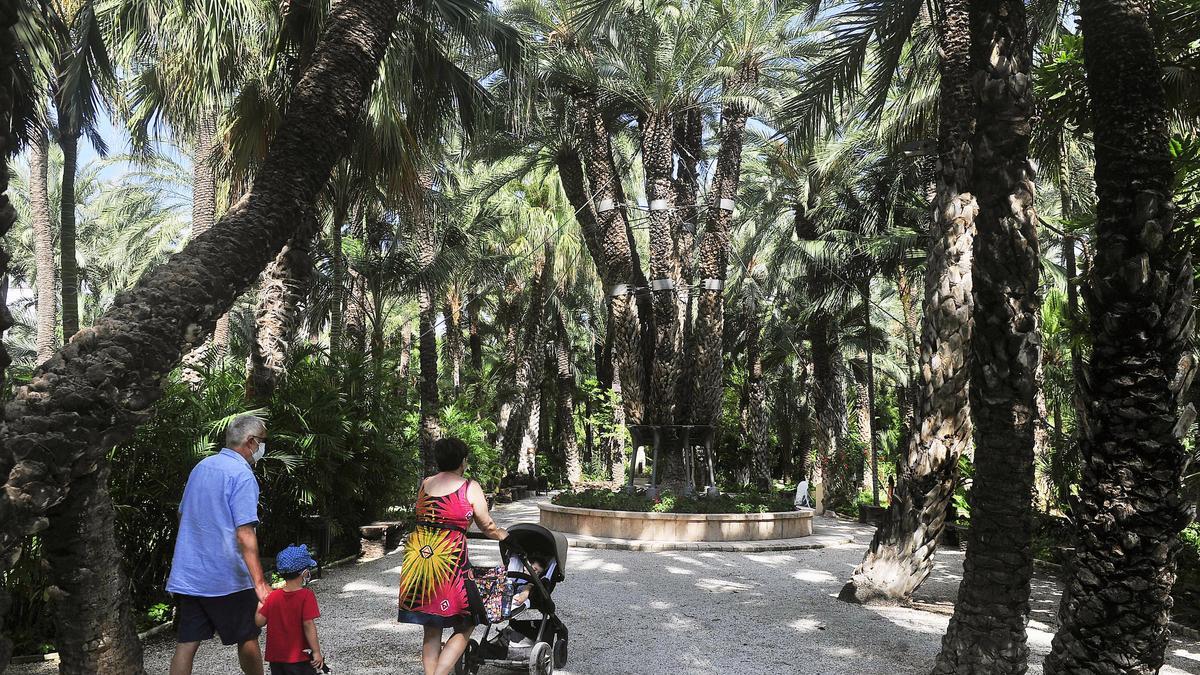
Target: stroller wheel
468,663
541,660
560,653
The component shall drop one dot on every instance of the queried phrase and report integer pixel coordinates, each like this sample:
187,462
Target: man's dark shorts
302,668
230,616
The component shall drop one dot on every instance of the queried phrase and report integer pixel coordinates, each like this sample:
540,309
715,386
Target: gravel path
675,612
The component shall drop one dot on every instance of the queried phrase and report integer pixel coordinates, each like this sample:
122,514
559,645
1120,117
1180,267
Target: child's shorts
302,668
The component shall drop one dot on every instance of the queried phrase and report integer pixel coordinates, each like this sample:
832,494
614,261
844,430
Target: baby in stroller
533,559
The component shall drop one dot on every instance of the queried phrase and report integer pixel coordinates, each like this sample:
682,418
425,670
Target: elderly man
216,576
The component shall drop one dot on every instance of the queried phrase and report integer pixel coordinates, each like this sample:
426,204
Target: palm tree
1115,612
900,555
564,425
79,74
201,283
988,625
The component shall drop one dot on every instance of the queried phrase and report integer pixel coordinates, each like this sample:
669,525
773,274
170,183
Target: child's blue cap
294,559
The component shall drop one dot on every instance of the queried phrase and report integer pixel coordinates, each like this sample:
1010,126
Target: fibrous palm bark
1131,507
621,265
657,135
830,420
705,352
427,362
987,634
43,247
90,396
283,286
564,434
529,369
756,398
901,552
93,613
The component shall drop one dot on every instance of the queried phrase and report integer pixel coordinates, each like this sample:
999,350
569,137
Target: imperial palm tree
168,311
987,630
1130,510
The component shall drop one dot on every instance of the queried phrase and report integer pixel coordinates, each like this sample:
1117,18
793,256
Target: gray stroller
534,637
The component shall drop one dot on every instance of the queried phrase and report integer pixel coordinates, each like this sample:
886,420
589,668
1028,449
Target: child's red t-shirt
286,613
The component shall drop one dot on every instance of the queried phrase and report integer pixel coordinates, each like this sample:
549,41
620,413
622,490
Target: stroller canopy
537,539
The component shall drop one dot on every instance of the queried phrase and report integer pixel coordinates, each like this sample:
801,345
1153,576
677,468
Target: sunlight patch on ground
681,623
771,560
918,622
658,604
722,586
364,586
677,570
805,625
1187,654
391,627
598,565
685,559
814,576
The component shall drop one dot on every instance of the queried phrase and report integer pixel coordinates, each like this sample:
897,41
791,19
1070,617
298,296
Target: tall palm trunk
872,438
43,247
204,214
530,366
756,395
428,387
283,286
657,134
337,282
621,261
68,142
403,363
862,462
705,353
564,434
509,317
142,337
987,631
454,339
473,337
89,594
901,552
1131,507
829,413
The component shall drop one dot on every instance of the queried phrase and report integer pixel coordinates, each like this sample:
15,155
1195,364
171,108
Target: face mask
258,454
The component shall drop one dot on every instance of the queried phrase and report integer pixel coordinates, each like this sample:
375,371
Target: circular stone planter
706,527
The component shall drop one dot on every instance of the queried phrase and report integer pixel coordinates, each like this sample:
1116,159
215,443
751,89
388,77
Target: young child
289,615
522,588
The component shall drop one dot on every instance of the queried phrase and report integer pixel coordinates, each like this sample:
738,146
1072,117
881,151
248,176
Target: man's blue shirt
221,495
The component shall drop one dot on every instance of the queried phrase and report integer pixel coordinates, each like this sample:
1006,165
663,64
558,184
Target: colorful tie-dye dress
434,571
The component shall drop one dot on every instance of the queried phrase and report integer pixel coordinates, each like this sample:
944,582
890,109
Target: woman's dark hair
449,453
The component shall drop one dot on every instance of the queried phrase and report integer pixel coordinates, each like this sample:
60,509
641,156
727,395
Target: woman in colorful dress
434,571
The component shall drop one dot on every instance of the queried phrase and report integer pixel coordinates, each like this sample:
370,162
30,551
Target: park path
676,612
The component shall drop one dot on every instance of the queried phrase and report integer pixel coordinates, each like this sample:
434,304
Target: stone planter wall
711,527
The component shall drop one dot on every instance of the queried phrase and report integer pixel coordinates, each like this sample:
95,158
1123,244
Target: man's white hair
242,428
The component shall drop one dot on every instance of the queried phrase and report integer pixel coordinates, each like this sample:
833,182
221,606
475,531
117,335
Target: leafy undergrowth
670,503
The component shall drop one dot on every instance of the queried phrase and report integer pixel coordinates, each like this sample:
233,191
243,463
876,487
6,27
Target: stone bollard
373,541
